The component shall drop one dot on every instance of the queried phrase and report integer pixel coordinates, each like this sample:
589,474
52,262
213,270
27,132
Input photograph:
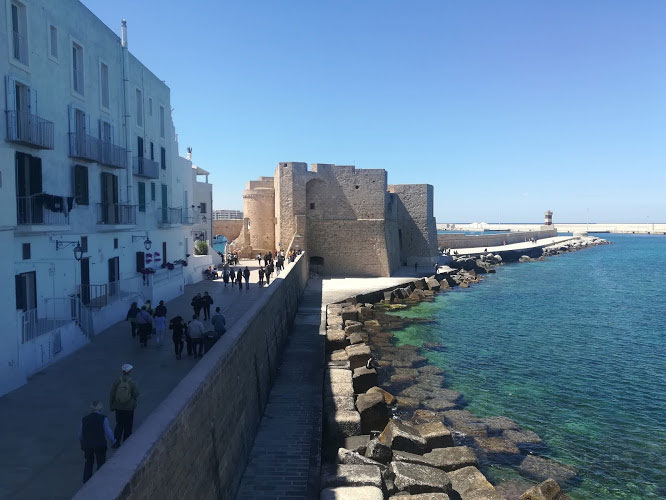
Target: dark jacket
160,311
92,431
206,300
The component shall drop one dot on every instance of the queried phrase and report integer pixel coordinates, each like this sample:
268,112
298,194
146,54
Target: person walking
206,302
259,259
239,279
93,433
196,304
225,275
261,276
123,398
195,330
178,326
144,324
160,322
131,317
219,322
246,275
232,276
268,274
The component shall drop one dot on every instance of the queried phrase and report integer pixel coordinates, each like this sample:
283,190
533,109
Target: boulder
540,469
435,434
343,424
365,313
402,437
358,355
373,411
352,493
401,293
355,338
372,325
352,458
422,496
419,284
430,370
417,295
408,402
333,475
425,417
513,488
414,478
353,326
496,425
497,448
340,355
523,439
335,339
378,451
444,285
334,321
470,484
439,404
453,458
411,458
432,283
349,313
363,379
416,392
389,398
548,490
357,444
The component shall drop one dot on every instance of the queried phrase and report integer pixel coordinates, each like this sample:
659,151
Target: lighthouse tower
548,218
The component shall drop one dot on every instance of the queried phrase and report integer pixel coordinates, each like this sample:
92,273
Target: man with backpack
124,394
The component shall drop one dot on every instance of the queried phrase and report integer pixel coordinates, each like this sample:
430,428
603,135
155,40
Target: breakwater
197,442
454,240
422,426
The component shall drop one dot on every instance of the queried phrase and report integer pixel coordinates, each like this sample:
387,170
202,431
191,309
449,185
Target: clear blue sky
508,108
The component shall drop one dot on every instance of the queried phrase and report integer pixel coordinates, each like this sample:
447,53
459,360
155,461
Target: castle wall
290,180
259,208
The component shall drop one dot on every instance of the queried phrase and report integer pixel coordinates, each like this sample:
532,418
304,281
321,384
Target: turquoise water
573,349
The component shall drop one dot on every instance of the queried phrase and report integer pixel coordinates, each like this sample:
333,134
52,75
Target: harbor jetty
580,227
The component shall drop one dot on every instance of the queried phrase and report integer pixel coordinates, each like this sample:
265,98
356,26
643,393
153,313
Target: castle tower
259,209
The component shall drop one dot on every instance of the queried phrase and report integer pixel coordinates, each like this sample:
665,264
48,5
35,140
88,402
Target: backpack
123,392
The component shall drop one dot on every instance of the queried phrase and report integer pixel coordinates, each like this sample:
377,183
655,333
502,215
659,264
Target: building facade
96,206
350,221
227,215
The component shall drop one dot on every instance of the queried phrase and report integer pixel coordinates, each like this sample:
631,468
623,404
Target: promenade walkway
544,242
40,457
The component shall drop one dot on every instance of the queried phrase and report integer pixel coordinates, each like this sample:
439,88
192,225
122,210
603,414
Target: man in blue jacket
93,433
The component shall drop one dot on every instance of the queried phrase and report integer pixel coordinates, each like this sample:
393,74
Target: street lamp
78,250
146,241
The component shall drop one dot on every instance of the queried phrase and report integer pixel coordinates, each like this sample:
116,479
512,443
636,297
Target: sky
507,108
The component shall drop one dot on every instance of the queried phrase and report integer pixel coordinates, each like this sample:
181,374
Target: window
19,33
311,206
139,108
152,191
142,196
202,208
104,84
150,106
115,243
77,68
53,42
84,244
26,291
162,122
81,184
163,158
26,251
152,151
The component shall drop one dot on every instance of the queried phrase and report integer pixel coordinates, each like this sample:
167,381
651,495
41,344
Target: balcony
56,313
116,213
187,216
84,146
111,155
42,209
145,167
169,216
29,130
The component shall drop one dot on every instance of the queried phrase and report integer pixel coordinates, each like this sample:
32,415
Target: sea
572,348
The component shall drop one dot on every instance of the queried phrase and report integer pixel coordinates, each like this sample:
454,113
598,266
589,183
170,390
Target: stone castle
348,220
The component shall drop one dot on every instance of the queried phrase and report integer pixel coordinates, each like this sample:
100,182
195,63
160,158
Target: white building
227,215
92,190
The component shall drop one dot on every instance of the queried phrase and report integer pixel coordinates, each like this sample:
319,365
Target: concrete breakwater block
339,403
352,326
352,458
343,424
548,490
470,484
525,440
349,313
355,338
454,458
389,398
373,411
414,478
497,449
421,496
335,340
364,379
378,451
435,434
432,283
402,437
352,493
540,469
339,389
333,475
338,376
358,355
359,444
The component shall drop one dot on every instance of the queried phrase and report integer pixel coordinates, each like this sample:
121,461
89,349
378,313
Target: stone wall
490,240
229,228
259,208
197,442
417,230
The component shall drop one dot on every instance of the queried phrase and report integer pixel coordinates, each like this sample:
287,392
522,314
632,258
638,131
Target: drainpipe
126,115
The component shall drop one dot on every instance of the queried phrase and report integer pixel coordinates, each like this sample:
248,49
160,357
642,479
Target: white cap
126,368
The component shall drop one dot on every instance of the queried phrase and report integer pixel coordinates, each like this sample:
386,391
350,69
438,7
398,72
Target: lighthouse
548,218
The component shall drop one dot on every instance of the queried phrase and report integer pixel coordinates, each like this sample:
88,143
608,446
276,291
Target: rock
389,398
373,411
389,296
358,354
496,425
425,417
352,493
355,338
548,490
365,313
372,325
408,402
333,475
523,439
415,392
470,484
422,496
497,448
439,404
430,370
378,451
414,478
525,258
357,444
402,437
435,434
352,458
349,313
363,379
343,424
335,339
399,293
417,295
432,283
453,458
411,458
334,322
513,488
340,355
353,326
540,469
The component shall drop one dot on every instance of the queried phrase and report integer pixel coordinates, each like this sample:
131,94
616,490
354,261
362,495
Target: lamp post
146,241
78,250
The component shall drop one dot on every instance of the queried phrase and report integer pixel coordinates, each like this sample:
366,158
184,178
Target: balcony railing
20,48
42,209
98,296
84,146
145,167
116,213
111,155
55,313
29,130
169,216
187,217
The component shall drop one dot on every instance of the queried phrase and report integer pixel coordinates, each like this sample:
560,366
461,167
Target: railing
42,209
116,213
112,155
84,146
98,296
145,167
169,216
55,313
30,130
163,276
186,216
20,48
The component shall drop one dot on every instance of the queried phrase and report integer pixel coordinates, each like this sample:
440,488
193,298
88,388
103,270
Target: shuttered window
142,196
81,184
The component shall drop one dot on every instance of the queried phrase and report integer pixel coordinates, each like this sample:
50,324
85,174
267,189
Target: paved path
40,456
544,242
284,462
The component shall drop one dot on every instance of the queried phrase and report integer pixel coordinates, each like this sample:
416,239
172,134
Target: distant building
548,218
227,215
